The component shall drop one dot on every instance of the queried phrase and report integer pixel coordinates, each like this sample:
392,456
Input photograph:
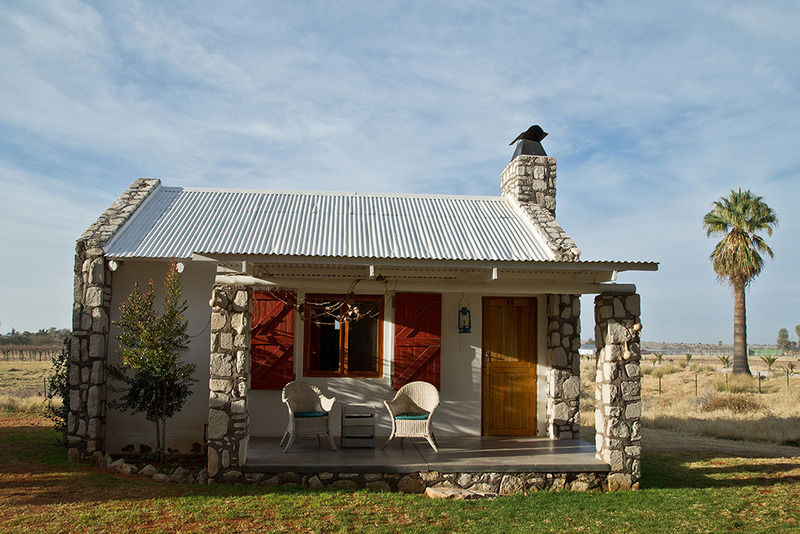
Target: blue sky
654,111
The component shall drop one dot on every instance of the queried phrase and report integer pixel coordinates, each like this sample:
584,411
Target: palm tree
739,218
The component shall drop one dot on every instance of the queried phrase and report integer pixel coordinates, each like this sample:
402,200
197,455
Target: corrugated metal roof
176,222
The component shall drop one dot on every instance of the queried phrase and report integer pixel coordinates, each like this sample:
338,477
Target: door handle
488,356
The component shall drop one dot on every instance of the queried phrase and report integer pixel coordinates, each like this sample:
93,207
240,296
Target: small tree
726,361
688,358
769,361
150,345
783,341
658,358
797,333
58,386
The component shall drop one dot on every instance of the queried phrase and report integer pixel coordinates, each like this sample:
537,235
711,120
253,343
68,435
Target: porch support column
618,388
563,380
229,382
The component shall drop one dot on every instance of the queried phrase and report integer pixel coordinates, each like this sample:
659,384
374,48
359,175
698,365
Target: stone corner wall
564,375
90,326
229,382
618,391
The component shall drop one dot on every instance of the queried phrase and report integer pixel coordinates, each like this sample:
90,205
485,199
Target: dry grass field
698,399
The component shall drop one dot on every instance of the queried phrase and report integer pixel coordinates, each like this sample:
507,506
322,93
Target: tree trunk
740,365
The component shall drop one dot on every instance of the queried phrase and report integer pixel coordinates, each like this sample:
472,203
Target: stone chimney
531,179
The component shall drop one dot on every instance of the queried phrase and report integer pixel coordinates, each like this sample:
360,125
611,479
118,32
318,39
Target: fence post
695,384
759,381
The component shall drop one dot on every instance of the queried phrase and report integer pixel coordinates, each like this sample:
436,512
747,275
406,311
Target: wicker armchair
309,412
411,411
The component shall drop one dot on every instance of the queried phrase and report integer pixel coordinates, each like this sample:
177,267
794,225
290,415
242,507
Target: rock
114,464
411,484
579,485
202,477
229,477
147,471
512,485
455,494
179,475
160,477
127,469
618,482
315,483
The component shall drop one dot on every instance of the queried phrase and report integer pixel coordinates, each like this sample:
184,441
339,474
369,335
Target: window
345,342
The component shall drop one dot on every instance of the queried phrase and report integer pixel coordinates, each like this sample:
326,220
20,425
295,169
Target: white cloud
654,111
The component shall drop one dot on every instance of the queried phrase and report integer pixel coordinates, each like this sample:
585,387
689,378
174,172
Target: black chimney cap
529,142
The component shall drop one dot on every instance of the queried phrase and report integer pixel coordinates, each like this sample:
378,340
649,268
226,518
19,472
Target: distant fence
28,352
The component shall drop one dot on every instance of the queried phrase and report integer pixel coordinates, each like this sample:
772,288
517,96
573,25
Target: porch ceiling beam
449,286
450,264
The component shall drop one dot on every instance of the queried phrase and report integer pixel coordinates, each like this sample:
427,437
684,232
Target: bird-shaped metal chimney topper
530,142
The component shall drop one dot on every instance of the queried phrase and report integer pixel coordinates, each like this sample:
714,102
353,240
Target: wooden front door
509,366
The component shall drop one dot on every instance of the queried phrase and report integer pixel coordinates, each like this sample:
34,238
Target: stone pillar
229,383
86,422
618,391
563,380
531,179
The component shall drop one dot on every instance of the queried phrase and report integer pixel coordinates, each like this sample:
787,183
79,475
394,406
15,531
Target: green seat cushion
310,414
412,416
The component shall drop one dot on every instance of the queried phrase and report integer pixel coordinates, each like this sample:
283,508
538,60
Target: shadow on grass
713,471
35,472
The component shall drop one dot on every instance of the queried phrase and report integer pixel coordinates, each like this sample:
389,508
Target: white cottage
361,293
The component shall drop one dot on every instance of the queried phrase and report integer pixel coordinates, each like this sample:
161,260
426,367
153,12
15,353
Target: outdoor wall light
464,320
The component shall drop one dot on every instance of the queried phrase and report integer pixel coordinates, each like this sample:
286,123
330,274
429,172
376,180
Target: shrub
31,405
735,384
58,386
736,403
664,371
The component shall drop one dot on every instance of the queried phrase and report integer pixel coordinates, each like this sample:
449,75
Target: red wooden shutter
417,338
272,340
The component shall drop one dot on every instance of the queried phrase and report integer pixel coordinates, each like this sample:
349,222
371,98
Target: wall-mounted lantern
464,320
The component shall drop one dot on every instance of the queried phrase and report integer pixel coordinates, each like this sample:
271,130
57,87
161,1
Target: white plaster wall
458,414
460,393
186,427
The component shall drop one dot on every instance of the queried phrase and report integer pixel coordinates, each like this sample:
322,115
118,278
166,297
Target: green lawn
41,492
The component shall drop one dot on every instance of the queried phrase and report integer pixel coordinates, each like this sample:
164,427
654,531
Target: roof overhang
575,277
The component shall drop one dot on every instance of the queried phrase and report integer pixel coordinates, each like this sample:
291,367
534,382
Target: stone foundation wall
86,421
494,483
618,392
564,376
229,382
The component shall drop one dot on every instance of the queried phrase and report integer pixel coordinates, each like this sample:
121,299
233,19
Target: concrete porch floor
456,454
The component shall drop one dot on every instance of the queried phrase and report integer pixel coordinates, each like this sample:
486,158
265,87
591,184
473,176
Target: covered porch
553,459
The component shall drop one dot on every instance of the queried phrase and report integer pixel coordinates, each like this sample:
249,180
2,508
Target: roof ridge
496,198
